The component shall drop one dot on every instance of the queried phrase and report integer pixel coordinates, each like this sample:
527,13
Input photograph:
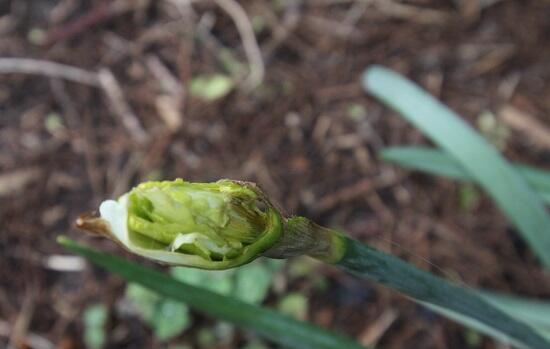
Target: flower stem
424,287
302,236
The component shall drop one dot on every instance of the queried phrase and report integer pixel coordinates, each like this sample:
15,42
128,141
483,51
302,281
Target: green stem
302,236
424,287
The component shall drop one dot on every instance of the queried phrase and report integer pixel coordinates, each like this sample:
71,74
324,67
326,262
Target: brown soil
65,146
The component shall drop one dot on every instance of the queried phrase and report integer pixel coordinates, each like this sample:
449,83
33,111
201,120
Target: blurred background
266,91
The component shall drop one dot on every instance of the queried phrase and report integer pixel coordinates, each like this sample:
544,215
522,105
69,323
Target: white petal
116,213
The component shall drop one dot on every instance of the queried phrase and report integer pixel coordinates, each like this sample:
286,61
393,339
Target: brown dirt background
293,135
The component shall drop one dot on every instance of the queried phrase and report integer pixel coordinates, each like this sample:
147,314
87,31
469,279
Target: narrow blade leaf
461,304
280,329
532,311
481,160
536,313
437,162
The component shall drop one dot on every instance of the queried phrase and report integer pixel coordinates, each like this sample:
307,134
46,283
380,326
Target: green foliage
495,131
531,311
437,162
95,317
53,123
294,304
458,303
302,267
472,338
255,345
250,283
470,150
206,338
37,36
167,318
211,87
216,281
270,324
179,346
468,196
356,112
258,24
467,156
231,63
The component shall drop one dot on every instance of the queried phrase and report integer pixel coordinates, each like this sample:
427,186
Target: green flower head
205,225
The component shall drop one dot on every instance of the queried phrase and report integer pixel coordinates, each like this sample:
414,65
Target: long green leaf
461,304
536,313
278,328
532,311
481,160
437,162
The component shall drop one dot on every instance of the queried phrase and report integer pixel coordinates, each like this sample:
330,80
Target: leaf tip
372,74
384,154
63,240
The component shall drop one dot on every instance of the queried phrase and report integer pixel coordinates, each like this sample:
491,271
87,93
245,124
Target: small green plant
95,318
168,318
229,224
211,87
295,305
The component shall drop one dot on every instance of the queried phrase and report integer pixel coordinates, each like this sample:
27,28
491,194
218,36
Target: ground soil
308,135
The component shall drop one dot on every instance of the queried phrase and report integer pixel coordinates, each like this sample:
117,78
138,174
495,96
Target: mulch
308,135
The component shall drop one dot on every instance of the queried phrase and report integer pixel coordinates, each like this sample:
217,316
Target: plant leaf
532,311
253,281
219,281
95,318
480,159
211,87
294,304
280,329
166,317
437,162
459,303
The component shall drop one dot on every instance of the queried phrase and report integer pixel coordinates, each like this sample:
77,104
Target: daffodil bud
205,225
208,225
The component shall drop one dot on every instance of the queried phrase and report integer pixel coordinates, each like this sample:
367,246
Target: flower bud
205,225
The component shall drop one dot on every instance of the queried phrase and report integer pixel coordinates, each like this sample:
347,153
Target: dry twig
250,44
169,103
372,334
101,12
46,68
16,181
527,124
33,340
120,107
357,190
411,12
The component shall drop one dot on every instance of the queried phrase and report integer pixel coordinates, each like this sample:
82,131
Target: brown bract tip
91,223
